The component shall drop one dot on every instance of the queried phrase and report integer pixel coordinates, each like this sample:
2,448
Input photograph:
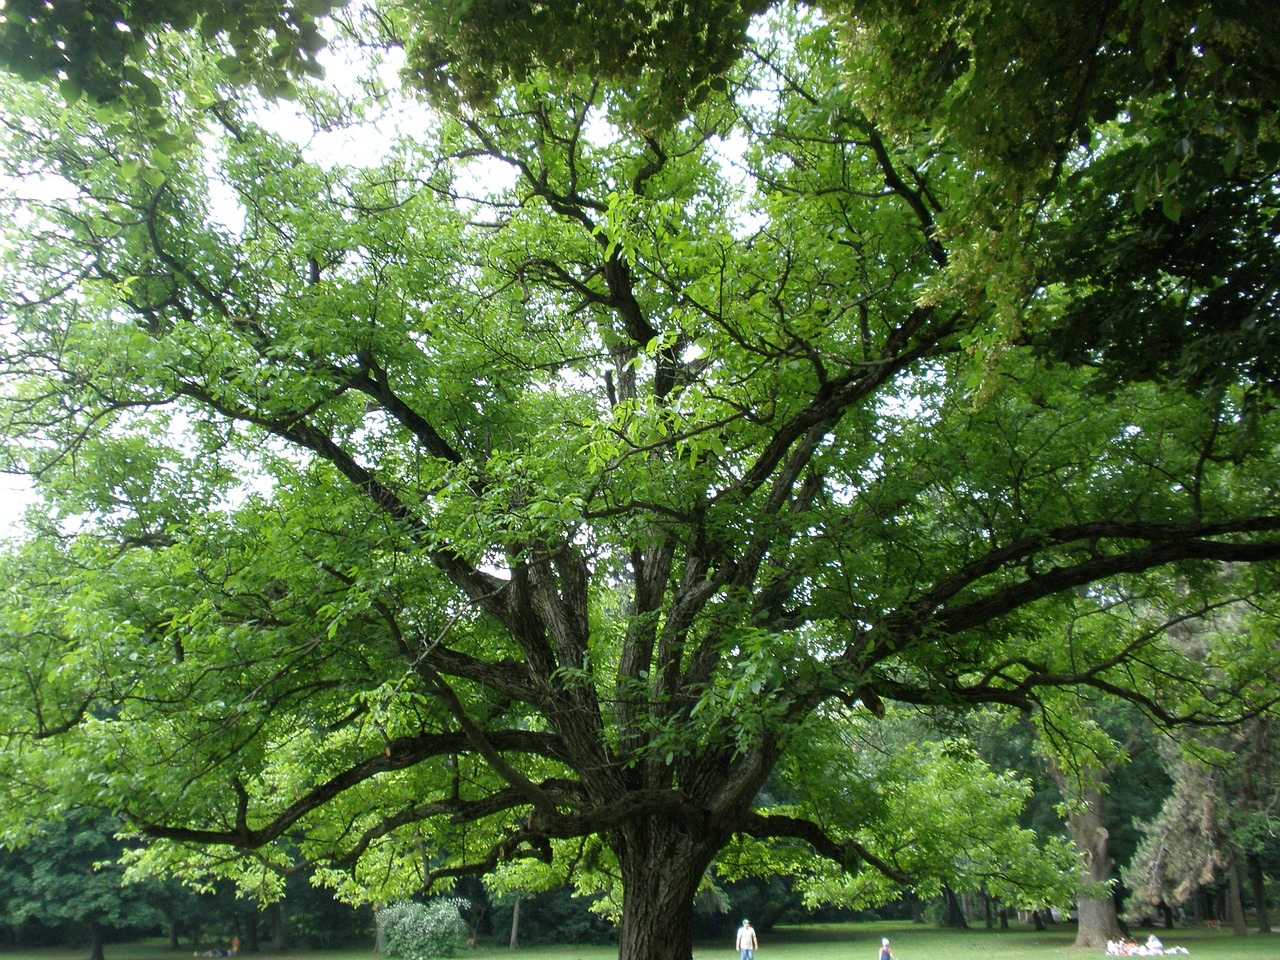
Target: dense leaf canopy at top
530,484
100,48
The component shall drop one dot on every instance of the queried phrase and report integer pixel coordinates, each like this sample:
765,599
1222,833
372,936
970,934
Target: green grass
809,942
922,942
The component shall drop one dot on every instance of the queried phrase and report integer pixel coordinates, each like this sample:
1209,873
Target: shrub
416,931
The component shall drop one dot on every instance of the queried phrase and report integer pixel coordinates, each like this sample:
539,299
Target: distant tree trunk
96,940
251,944
514,942
955,914
917,909
278,939
171,928
1087,826
1258,881
1199,905
1239,927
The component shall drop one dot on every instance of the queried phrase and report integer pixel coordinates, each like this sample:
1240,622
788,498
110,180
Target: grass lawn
809,942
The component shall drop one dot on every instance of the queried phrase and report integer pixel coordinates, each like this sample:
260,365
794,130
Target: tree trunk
1087,825
1235,896
171,927
1258,880
955,913
96,940
277,927
514,942
662,862
917,909
251,944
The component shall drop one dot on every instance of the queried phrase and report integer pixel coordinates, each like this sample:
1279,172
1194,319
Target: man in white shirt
746,941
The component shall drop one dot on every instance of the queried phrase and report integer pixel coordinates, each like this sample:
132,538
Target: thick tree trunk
955,912
662,863
1087,825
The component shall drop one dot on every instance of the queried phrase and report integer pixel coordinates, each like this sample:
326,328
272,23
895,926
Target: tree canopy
529,481
102,49
70,877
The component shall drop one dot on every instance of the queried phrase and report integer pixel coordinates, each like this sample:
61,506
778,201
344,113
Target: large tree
536,483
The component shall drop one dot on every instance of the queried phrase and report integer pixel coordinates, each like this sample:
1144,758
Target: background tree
413,519
1209,835
68,877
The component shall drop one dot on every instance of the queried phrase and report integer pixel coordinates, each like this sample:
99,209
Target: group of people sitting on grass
1132,948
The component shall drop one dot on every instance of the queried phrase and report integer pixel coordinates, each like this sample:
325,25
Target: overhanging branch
399,754
842,852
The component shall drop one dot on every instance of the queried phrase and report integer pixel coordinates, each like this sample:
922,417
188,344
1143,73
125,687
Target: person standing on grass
885,952
747,944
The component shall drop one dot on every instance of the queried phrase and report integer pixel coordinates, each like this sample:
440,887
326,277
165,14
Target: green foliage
66,876
104,50
687,47
521,487
415,931
932,811
1151,126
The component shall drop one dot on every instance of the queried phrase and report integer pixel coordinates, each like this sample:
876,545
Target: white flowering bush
417,931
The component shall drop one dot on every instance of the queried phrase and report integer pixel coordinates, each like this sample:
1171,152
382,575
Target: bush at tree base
416,931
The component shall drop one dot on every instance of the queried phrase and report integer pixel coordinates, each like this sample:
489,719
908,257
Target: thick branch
399,754
844,853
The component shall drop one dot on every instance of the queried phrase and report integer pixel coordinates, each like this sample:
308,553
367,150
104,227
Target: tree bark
1235,895
1258,880
96,940
662,863
514,942
955,913
1087,826
277,927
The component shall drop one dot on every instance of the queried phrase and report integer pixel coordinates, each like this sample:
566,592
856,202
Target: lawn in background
924,942
809,942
